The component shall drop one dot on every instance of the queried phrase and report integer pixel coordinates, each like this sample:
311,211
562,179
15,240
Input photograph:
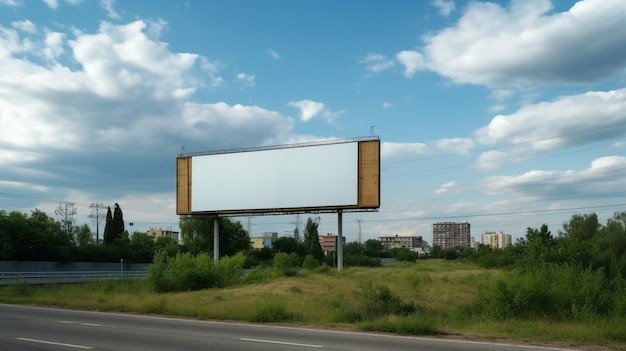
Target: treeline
39,237
579,273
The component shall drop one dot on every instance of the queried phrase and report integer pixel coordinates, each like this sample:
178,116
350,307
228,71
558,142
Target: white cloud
308,108
456,145
377,62
525,43
391,150
445,7
26,26
447,188
501,94
120,58
108,6
412,61
53,4
247,80
601,179
387,105
273,54
54,46
9,2
566,121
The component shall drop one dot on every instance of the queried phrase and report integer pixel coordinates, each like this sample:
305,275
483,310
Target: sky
504,114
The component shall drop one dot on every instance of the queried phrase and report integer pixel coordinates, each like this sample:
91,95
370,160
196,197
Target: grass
425,298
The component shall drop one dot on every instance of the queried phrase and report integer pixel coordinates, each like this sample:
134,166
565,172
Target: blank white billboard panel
311,176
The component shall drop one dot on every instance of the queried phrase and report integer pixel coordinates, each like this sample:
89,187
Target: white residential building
496,240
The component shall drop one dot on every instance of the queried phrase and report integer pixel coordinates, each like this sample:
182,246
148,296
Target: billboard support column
339,240
216,239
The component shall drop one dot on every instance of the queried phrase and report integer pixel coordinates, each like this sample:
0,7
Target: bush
310,263
286,264
185,272
379,300
271,312
549,291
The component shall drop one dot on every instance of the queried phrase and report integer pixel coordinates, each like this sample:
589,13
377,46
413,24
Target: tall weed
554,291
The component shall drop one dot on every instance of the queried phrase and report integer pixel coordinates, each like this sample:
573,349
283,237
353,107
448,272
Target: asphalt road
25,328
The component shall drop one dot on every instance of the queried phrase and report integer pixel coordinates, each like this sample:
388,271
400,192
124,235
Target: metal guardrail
10,278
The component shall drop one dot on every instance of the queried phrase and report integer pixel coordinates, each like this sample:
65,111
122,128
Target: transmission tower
98,212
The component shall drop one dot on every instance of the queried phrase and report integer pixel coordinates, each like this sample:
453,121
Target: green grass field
425,298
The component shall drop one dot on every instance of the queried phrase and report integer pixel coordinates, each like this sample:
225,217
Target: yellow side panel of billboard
369,174
183,185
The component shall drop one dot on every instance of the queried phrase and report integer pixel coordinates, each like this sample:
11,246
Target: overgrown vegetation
570,286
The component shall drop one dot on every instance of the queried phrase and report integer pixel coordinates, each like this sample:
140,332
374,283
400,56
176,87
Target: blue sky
506,114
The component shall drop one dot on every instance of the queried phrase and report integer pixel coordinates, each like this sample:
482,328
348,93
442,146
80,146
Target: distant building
451,235
265,240
496,240
413,243
159,232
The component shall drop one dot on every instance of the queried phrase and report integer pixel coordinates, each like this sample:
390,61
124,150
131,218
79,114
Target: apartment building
451,235
496,240
413,243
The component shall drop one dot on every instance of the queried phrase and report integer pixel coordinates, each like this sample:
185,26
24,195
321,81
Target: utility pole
66,211
359,220
98,212
296,232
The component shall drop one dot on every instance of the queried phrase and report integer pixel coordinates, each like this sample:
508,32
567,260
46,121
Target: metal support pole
339,240
216,239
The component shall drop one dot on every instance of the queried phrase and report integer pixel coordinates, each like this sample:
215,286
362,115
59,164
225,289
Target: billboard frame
368,181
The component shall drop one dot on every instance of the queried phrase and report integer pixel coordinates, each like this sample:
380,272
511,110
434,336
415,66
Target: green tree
373,248
142,247
197,236
83,235
166,244
118,222
312,240
286,244
539,246
108,228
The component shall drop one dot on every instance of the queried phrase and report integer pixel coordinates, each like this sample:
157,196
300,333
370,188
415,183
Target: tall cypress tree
108,228
118,222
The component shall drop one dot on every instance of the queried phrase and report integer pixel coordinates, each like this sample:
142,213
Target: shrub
185,272
379,300
286,264
555,291
310,263
271,312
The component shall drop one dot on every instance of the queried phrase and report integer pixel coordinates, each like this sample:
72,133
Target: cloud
601,180
445,7
566,121
387,105
53,4
26,26
119,117
308,108
392,150
273,54
246,80
527,44
120,58
108,6
447,188
377,62
456,145
413,61
13,3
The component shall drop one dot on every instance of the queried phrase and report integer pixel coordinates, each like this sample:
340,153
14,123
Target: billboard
321,176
